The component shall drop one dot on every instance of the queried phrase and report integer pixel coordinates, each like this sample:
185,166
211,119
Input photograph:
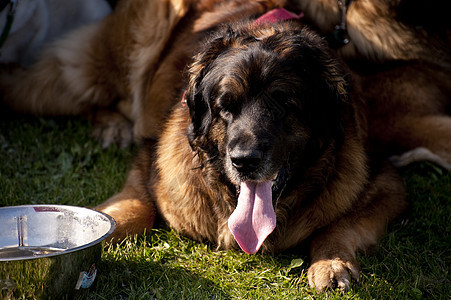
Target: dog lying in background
116,68
37,22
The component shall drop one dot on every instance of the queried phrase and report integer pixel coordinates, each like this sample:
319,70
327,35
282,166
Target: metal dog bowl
50,251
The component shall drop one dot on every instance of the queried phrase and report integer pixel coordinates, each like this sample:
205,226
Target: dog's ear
200,112
336,95
337,77
198,94
330,67
338,80
328,81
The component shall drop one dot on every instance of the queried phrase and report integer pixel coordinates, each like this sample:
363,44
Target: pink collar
278,14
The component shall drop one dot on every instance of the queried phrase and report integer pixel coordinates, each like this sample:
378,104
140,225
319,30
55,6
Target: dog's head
262,96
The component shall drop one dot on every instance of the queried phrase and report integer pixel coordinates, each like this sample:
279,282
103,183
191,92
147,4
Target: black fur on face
259,94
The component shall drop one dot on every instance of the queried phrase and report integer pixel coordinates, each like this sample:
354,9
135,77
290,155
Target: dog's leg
418,154
133,208
111,127
325,14
132,212
333,250
429,137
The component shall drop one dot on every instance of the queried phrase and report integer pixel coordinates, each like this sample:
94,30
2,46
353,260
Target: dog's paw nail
332,273
343,285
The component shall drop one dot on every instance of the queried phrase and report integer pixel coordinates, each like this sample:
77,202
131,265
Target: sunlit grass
55,160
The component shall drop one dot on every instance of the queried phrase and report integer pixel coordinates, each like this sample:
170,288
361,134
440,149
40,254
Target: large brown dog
326,191
269,152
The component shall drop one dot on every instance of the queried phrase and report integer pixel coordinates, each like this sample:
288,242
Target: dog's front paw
112,128
333,273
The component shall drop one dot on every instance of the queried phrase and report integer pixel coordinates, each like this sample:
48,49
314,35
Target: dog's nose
246,161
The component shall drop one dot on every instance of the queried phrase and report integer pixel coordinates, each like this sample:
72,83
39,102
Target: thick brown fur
382,30
332,197
400,51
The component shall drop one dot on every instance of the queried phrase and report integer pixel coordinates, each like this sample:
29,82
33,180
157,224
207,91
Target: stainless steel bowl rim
66,251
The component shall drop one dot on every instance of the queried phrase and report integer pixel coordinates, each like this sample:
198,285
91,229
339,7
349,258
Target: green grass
55,160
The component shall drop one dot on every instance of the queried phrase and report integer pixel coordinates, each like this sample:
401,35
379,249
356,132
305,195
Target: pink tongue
254,217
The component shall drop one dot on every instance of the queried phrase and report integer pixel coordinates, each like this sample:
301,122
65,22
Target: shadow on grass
413,257
151,280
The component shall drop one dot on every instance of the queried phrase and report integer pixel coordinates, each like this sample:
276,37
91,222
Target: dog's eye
225,106
226,112
282,96
225,115
224,100
286,99
278,95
